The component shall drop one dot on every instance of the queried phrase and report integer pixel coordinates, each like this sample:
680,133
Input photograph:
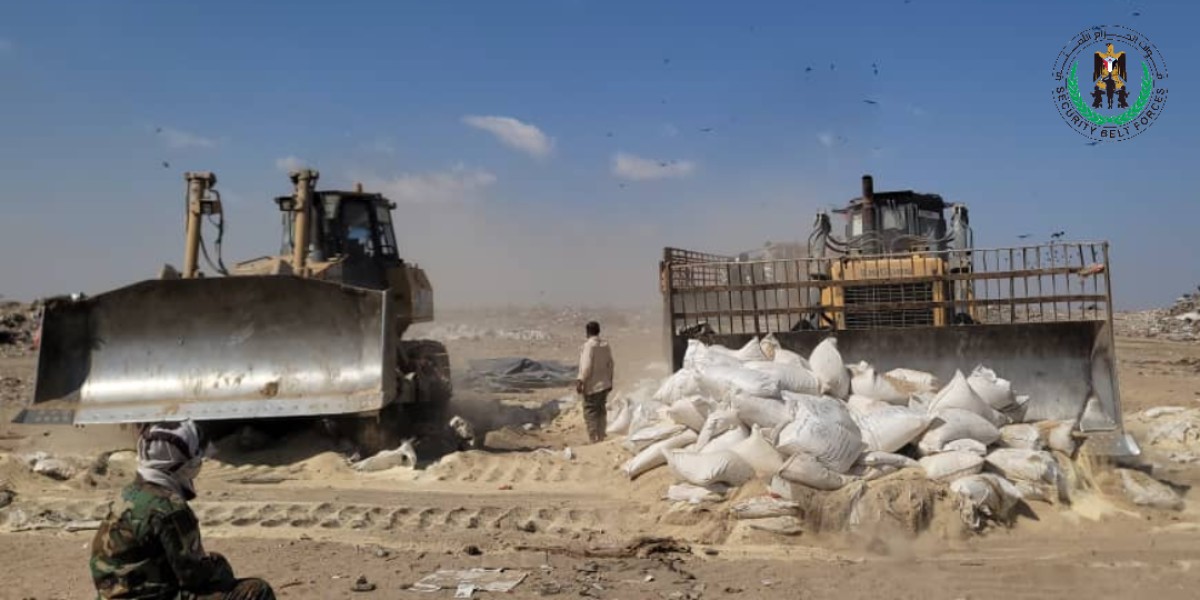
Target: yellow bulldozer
905,287
313,332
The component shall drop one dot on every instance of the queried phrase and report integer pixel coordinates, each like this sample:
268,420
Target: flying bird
808,69
158,130
1137,14
1092,143
870,101
706,129
609,134
832,66
166,165
1058,234
1023,236
875,68
666,61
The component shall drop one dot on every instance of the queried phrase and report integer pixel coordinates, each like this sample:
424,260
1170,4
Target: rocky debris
54,468
1144,490
6,497
18,325
1180,322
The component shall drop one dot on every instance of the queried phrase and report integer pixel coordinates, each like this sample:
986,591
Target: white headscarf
170,455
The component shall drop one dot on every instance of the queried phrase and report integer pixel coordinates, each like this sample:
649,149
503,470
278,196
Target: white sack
949,466
1021,435
880,459
698,356
890,429
784,356
681,384
958,394
722,383
791,378
918,381
718,422
827,407
864,381
694,494
836,446
758,452
1030,465
1040,492
752,351
646,415
652,457
862,405
642,438
770,345
725,441
690,412
618,424
708,469
871,472
922,401
1056,435
807,470
763,507
985,497
993,390
966,445
767,413
829,367
957,424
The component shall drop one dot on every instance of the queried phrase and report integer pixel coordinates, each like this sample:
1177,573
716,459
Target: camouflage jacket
149,548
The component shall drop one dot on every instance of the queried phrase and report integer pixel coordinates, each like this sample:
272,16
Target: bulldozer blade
212,349
1066,368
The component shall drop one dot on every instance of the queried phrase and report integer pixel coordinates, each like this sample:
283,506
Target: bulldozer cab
904,220
353,229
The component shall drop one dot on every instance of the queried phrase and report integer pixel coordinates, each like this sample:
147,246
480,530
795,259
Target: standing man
595,381
149,545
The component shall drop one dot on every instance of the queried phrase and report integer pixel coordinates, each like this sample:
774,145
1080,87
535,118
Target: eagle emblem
1108,73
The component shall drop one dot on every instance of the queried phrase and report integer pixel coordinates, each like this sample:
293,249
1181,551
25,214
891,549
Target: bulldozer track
364,517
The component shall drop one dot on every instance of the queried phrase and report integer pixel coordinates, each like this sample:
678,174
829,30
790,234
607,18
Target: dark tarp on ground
513,374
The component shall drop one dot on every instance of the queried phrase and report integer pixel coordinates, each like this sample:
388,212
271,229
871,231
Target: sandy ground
299,516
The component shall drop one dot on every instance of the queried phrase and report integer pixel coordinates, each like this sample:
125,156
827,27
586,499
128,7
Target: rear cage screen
1054,282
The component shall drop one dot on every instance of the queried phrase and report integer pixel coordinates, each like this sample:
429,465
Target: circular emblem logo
1110,83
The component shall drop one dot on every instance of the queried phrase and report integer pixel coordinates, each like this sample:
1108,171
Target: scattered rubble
18,326
515,375
1180,322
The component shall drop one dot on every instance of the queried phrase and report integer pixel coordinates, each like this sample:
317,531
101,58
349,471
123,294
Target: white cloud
288,164
826,139
175,138
636,168
437,187
514,134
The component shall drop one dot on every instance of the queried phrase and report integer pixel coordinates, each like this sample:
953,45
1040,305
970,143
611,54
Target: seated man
149,544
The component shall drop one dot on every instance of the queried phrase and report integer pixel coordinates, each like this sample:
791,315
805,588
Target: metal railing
1062,281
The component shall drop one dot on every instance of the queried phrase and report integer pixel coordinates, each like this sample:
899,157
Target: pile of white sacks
730,416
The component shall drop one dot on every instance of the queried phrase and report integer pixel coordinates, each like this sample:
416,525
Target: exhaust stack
304,180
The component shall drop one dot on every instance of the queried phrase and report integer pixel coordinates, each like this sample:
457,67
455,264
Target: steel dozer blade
1066,368
213,349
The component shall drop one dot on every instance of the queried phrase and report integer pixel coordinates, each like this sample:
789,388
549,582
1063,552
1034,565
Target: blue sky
558,205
